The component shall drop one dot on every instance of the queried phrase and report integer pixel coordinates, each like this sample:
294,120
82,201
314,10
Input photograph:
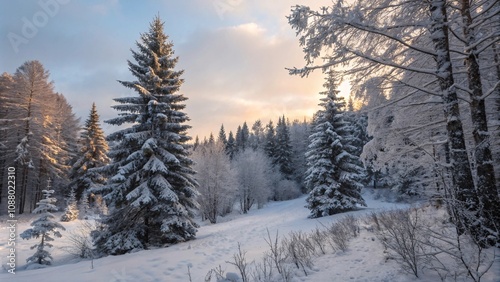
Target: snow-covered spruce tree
242,136
43,227
196,143
334,173
222,135
299,134
151,192
283,154
84,206
231,146
211,140
270,141
71,212
93,150
256,138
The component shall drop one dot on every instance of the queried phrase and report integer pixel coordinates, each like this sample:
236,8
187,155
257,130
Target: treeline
38,135
282,162
253,166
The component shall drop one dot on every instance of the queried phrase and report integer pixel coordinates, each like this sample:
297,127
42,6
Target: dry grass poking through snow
417,241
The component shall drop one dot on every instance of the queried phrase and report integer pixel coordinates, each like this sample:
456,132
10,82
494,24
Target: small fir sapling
71,212
44,228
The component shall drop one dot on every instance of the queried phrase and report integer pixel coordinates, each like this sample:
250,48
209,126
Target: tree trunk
25,163
42,245
22,189
486,183
496,59
146,231
462,176
463,185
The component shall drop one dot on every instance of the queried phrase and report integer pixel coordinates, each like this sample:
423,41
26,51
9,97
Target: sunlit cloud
242,77
234,62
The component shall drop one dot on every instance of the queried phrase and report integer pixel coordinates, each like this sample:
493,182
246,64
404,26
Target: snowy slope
216,244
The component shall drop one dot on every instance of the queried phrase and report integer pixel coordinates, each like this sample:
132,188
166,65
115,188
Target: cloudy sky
233,52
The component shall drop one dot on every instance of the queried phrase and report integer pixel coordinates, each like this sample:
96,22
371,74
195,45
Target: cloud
104,7
234,59
236,74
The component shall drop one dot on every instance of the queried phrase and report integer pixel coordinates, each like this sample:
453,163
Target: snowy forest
421,123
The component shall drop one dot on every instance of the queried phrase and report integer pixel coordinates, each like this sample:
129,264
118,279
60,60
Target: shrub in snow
217,273
277,252
81,242
450,252
338,236
300,250
71,211
318,237
43,227
402,235
240,262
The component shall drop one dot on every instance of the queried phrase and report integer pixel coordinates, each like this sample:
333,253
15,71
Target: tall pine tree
270,140
231,146
242,136
151,194
333,175
283,154
222,135
93,150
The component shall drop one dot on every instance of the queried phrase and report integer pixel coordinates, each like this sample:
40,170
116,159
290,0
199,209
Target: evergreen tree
151,194
350,105
38,133
84,206
359,123
222,135
196,143
283,149
42,228
242,136
231,146
8,105
333,173
93,149
299,134
41,127
65,128
71,211
211,139
257,135
270,142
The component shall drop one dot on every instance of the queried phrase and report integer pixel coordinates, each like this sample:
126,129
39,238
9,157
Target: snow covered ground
216,244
